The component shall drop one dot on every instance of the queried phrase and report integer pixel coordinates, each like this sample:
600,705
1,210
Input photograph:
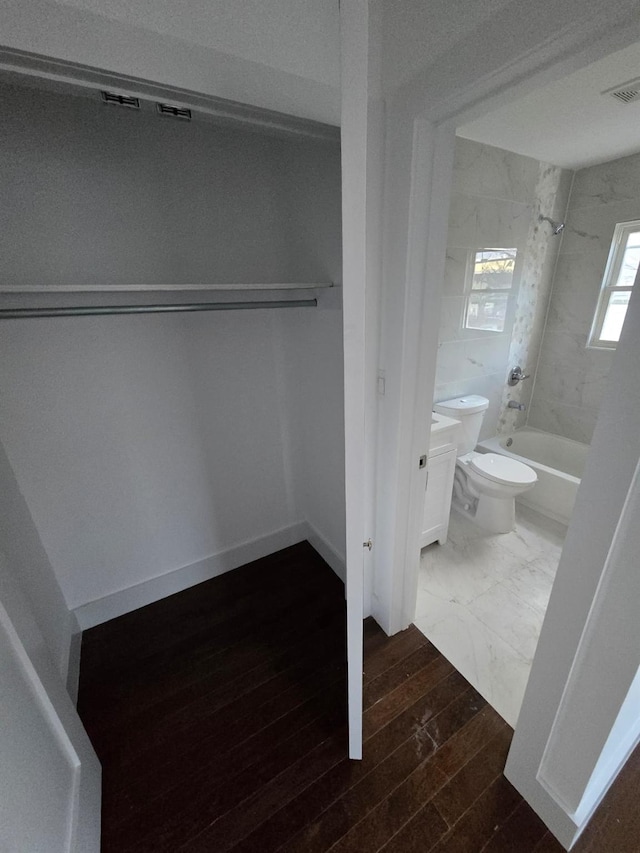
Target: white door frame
564,795
20,633
354,70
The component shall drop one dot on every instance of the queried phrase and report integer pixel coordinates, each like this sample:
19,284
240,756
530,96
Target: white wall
135,441
312,353
97,194
316,418
146,444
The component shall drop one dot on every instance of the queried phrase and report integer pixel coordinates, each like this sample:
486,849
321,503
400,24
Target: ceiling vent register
121,100
176,112
625,93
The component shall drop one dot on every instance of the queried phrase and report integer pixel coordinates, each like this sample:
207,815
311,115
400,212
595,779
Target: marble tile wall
496,198
550,198
570,378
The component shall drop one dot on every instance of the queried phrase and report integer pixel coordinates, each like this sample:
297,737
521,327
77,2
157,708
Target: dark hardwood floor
219,717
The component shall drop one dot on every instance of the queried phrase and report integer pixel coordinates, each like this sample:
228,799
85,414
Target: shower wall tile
577,381
608,183
487,171
581,272
590,229
563,347
479,222
452,313
550,199
555,382
571,310
496,201
455,271
576,422
461,360
571,377
596,377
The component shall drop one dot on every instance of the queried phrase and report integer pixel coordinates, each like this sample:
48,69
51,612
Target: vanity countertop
440,422
444,433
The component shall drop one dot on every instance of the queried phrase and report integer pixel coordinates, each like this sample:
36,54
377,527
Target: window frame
617,250
469,289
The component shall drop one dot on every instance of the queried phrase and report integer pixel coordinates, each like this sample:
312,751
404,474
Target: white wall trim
124,600
48,712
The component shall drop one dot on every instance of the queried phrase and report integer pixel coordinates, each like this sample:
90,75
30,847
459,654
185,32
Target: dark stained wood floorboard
219,715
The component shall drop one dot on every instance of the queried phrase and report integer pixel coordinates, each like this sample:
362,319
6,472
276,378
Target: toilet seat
501,469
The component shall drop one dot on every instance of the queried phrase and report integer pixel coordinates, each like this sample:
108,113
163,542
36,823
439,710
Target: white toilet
485,484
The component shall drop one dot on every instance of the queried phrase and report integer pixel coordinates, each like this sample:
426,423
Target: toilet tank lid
468,405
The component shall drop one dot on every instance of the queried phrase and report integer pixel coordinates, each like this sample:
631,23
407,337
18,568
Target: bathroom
528,251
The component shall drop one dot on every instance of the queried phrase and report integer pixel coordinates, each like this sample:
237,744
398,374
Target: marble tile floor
482,598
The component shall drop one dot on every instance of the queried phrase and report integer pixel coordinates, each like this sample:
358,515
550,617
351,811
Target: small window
489,288
619,276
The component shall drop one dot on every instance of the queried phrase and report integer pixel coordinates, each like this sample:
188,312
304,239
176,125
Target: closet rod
99,310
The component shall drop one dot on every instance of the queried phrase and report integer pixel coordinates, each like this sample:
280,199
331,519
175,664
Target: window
489,288
619,276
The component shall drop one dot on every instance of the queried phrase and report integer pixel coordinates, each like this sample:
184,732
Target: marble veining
497,197
551,195
571,378
608,183
482,598
488,171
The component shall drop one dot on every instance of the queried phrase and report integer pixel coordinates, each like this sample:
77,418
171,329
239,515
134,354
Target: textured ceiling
570,122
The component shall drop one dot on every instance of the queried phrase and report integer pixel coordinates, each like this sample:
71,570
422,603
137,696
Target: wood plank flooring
219,717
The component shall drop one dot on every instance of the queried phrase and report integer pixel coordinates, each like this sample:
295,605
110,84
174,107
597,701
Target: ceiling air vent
627,95
177,112
121,100
625,92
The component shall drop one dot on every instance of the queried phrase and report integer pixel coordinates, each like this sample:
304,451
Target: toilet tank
469,410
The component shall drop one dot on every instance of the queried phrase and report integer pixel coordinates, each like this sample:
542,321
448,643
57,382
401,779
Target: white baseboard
126,600
326,551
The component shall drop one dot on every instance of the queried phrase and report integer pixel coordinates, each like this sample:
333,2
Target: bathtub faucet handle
513,404
517,375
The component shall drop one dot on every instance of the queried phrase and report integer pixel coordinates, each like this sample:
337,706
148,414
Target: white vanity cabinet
441,466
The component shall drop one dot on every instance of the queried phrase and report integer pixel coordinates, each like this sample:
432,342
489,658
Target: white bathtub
558,462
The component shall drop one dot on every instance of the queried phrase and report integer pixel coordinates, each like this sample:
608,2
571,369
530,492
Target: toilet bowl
486,484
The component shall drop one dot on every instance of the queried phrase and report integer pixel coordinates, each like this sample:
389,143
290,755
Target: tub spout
513,404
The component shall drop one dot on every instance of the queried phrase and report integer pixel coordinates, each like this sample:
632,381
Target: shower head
558,227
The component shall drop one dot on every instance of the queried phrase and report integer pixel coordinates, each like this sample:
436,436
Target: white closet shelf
151,288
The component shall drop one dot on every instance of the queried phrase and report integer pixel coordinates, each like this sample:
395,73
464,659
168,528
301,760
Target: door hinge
368,544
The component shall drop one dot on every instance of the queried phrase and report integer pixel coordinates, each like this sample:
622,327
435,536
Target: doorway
571,231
